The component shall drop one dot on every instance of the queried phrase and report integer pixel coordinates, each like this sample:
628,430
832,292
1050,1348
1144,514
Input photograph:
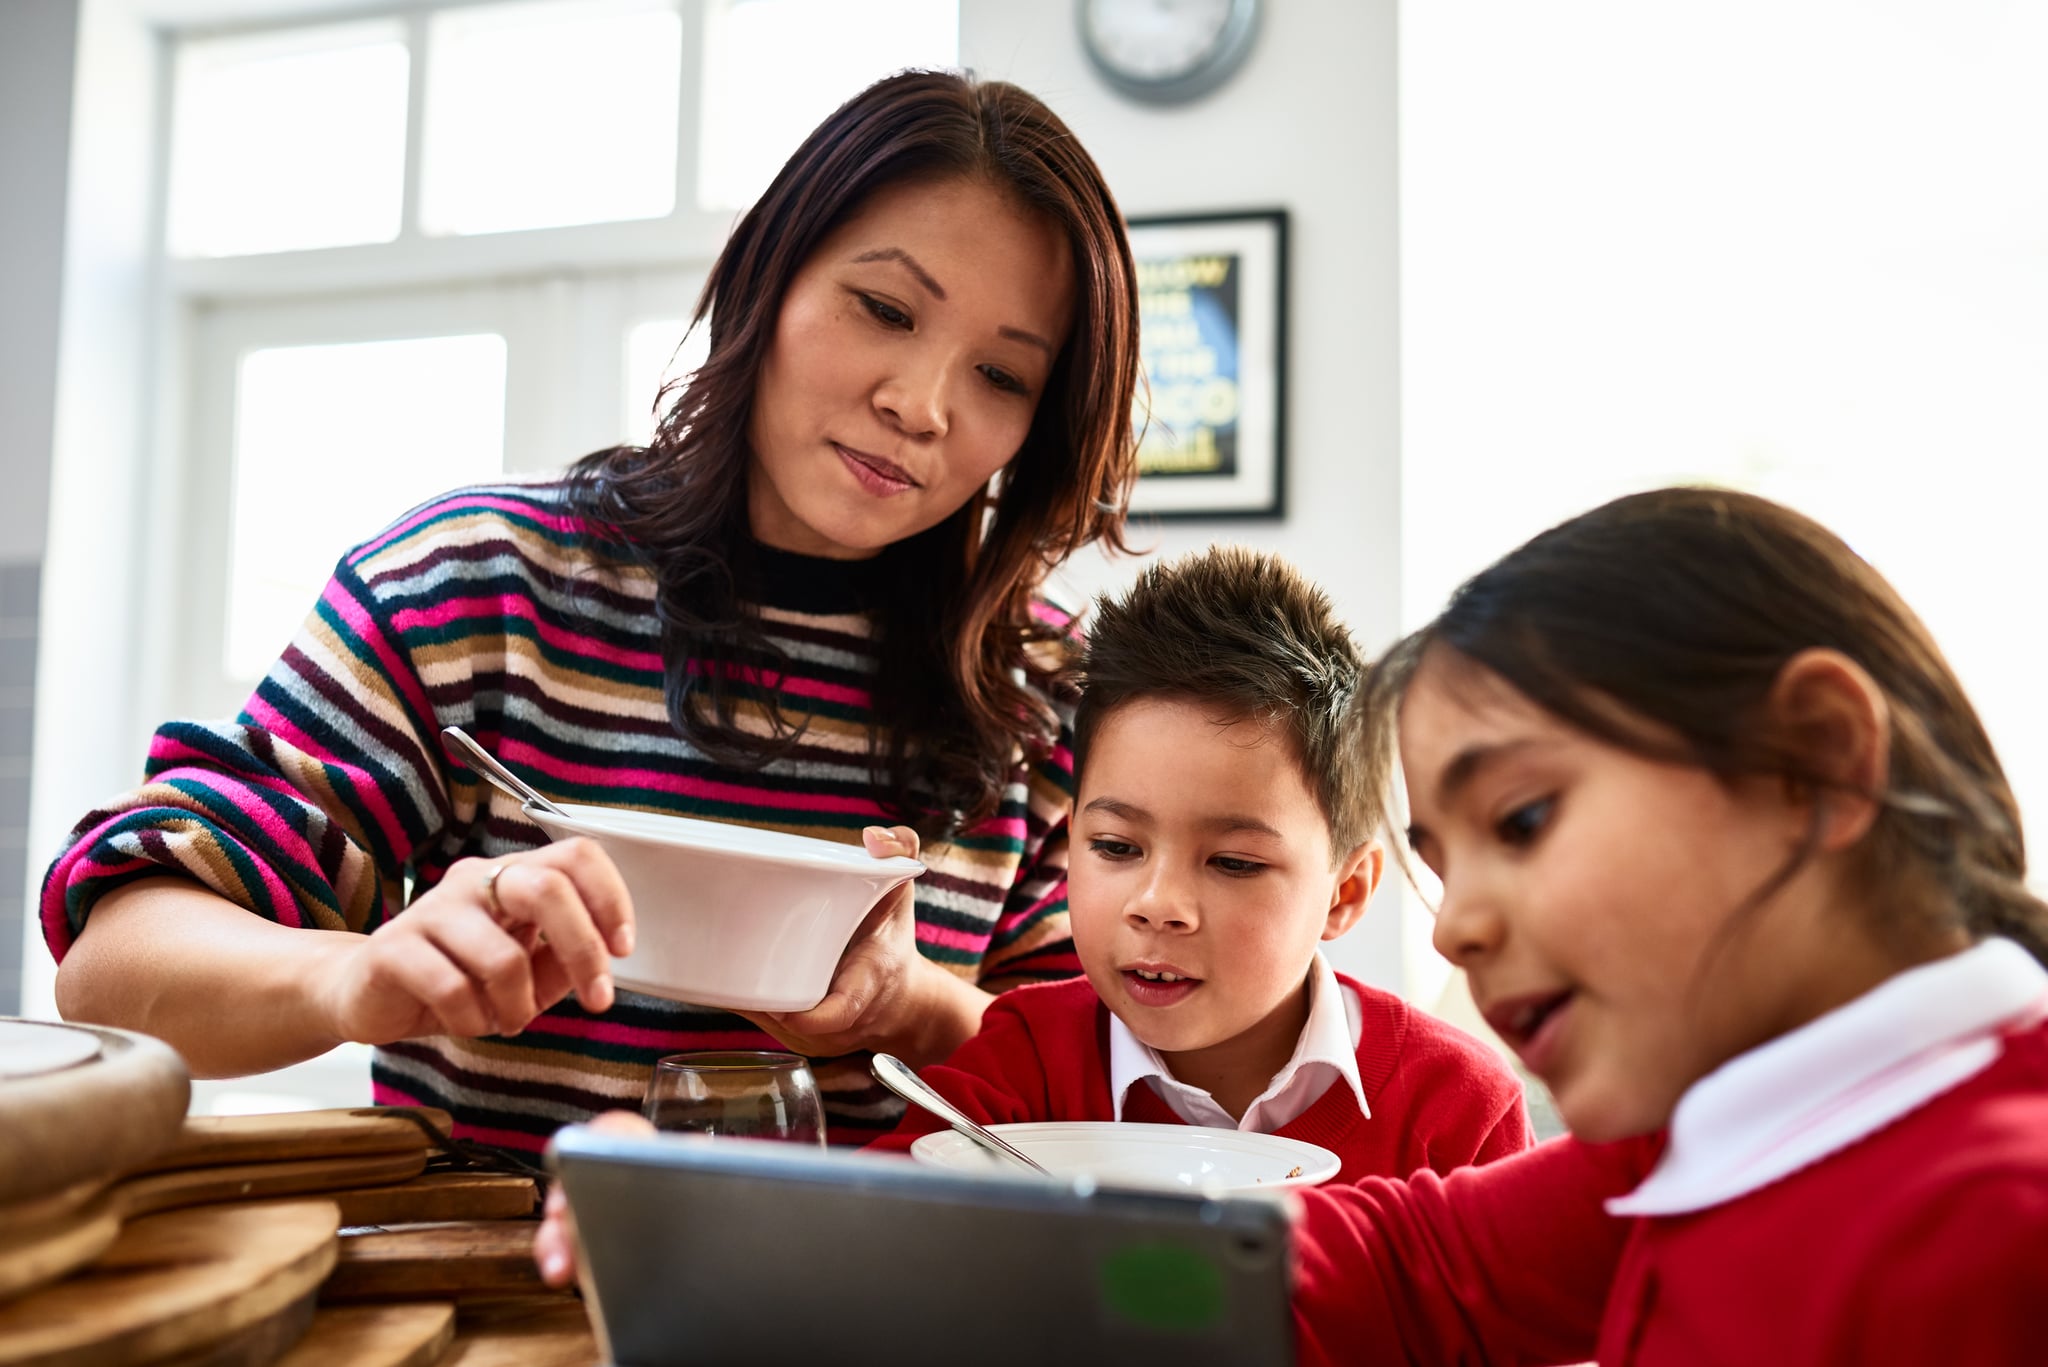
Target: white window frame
413,258
565,378
563,298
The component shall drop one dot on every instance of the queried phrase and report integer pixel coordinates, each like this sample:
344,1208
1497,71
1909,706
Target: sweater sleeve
1031,941
1511,1134
1461,1102
996,1078
1508,1263
305,809
1479,1108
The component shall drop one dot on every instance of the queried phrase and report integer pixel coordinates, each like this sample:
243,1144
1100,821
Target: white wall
1830,288
1309,125
36,44
99,437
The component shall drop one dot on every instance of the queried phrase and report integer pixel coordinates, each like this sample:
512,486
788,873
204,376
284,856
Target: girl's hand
554,1243
493,945
884,995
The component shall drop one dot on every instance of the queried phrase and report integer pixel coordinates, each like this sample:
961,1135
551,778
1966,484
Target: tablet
723,1252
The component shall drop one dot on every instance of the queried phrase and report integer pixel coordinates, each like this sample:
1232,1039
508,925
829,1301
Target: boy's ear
1836,721
1357,876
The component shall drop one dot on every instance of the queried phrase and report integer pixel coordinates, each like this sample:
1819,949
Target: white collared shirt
1784,1105
1326,1054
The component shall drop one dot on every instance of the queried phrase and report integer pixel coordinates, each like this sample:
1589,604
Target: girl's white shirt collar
1326,1054
1784,1105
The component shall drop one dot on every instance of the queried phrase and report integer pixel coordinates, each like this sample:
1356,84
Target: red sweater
1440,1099
1925,1242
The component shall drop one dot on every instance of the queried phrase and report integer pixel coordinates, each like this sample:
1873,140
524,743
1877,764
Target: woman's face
909,358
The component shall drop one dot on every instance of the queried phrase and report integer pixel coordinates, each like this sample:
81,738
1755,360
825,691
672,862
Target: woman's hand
493,945
554,1243
885,995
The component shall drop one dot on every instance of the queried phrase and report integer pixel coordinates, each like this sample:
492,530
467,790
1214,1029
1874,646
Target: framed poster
1212,338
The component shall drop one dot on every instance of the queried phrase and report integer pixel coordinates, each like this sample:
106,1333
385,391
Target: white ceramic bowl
1175,1157
728,915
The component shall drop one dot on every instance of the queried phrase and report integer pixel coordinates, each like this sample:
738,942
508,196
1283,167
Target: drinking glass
754,1095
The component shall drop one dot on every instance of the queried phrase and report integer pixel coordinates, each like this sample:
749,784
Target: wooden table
309,1240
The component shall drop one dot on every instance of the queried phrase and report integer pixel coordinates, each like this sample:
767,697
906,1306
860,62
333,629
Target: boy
1222,830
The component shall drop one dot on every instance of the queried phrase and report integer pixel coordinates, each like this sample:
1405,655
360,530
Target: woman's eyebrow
909,263
1020,335
938,291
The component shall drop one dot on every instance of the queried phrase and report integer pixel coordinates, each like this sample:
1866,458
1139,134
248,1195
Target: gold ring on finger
497,908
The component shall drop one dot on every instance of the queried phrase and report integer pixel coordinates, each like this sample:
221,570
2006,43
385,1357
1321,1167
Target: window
547,114
534,114
317,420
304,438
656,353
763,93
288,141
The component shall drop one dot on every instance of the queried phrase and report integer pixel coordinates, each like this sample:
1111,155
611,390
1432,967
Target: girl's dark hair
1682,606
957,638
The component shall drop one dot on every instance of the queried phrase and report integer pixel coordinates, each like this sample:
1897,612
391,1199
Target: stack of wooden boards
132,1234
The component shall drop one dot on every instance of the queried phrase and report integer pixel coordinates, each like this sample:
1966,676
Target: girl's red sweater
1925,1242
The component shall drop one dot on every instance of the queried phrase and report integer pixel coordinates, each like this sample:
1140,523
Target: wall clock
1167,51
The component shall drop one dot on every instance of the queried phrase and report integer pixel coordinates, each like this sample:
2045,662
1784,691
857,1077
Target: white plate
721,837
1177,1157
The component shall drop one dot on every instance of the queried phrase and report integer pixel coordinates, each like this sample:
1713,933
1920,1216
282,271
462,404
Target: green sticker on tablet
1162,1286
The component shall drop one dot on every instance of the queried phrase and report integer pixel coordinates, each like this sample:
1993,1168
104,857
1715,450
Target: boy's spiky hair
1244,633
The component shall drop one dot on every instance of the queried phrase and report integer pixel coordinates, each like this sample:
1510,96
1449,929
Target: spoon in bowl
895,1074
463,748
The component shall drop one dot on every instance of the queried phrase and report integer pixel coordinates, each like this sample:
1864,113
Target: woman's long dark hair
1683,606
962,670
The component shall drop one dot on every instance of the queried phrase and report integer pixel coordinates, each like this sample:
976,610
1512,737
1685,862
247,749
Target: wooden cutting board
80,1103
175,1283
407,1335
34,1254
255,1345
155,1191
546,1332
460,1260
439,1196
207,1141
35,1210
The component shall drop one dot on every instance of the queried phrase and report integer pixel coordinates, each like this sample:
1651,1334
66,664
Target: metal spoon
462,748
895,1074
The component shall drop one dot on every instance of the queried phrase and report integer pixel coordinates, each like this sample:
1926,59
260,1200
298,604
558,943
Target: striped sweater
328,801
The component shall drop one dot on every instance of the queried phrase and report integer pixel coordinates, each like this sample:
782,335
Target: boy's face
1201,881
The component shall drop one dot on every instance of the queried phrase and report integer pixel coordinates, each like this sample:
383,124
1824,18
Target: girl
811,604
1730,863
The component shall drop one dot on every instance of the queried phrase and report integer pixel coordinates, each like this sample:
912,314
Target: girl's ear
1835,725
1357,876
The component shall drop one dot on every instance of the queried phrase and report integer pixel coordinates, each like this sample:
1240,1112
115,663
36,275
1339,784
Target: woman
811,604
